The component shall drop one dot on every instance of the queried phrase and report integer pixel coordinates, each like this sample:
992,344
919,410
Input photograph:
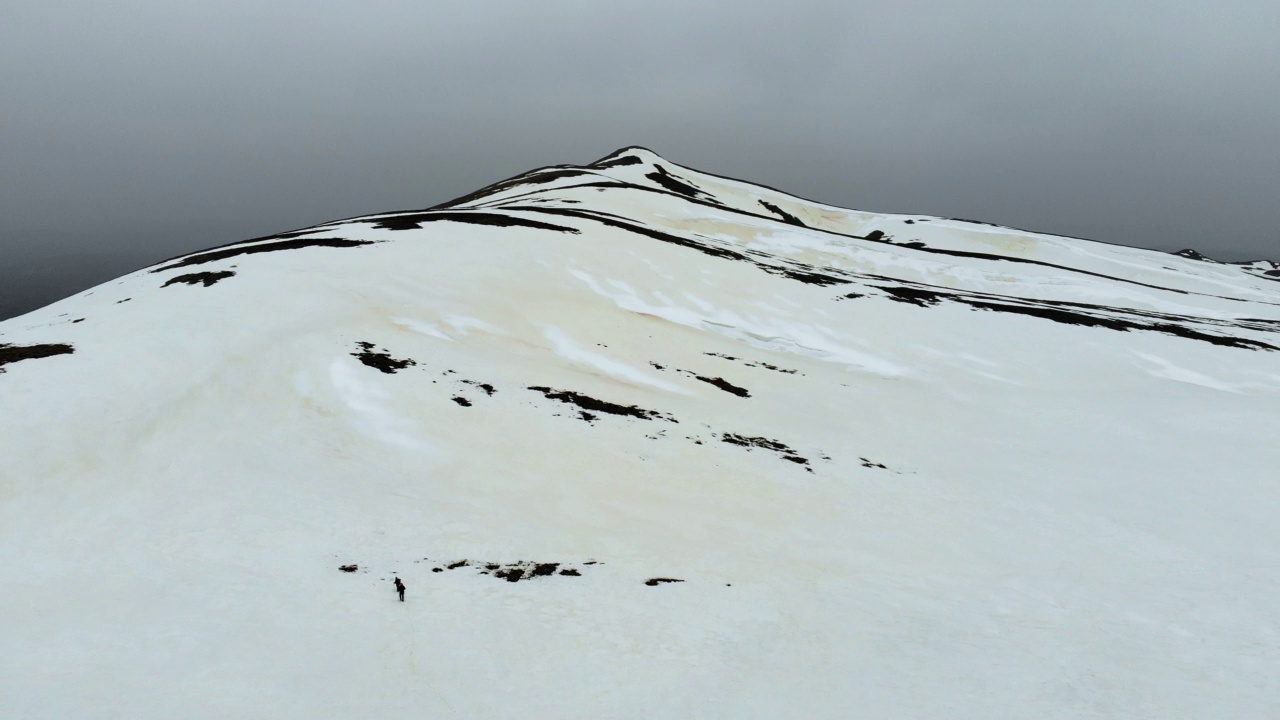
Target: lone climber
400,589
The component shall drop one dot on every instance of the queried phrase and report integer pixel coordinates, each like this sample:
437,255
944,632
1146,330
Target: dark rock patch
588,403
724,385
124,300
774,368
720,383
216,255
786,216
349,568
1041,263
673,183
1084,315
511,574
533,177
1272,274
205,278
913,295
765,444
654,582
807,276
1194,255
413,221
1005,258
868,464
618,161
1259,324
380,360
16,353
462,401
792,270
544,569
521,570
542,177
277,236
1060,315
666,237
77,320
486,387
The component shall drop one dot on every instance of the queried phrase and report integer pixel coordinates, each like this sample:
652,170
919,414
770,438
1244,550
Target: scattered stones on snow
515,571
758,364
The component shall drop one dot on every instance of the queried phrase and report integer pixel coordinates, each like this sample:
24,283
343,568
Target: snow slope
902,466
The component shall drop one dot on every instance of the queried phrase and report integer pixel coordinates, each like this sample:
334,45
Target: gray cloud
134,131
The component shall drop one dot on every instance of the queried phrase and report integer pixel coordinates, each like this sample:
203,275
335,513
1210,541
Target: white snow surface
998,474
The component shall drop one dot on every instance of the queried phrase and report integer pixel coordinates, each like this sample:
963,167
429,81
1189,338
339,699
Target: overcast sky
132,131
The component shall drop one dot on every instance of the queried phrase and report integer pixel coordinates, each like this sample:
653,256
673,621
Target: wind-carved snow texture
568,349
833,463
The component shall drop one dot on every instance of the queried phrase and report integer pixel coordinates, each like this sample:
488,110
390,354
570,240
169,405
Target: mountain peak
632,154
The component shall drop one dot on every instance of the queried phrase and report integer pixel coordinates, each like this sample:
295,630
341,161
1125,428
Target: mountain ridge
642,441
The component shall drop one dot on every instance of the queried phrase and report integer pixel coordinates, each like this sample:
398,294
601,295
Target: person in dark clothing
400,589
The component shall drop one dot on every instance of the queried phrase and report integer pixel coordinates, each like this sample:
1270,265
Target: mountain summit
643,441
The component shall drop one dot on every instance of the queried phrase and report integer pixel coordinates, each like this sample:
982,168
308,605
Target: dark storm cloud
133,131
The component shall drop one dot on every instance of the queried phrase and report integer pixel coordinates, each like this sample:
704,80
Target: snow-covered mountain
646,442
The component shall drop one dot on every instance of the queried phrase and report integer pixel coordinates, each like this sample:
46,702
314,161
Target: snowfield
645,442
